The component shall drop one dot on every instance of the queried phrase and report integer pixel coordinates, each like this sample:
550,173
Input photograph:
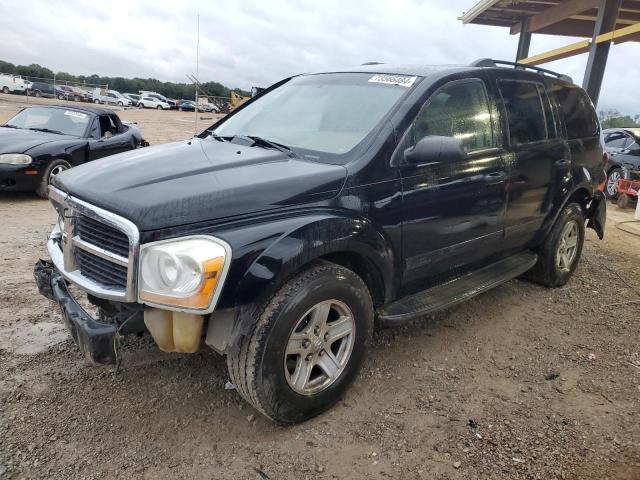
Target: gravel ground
521,382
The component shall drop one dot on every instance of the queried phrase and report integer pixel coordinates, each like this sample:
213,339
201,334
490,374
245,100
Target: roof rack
490,62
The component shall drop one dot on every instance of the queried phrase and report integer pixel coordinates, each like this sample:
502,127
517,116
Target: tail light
605,158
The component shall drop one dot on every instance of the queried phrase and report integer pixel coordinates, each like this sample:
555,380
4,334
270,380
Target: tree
614,119
6,67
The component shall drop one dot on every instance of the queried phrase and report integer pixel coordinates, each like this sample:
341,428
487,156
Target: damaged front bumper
96,340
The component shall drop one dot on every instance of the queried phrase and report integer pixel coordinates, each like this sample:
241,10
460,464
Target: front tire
159,107
559,255
306,346
54,168
96,101
611,187
5,89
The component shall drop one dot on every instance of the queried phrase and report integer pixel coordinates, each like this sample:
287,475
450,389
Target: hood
19,140
197,180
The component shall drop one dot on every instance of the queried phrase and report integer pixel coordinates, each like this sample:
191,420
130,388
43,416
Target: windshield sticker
75,114
402,80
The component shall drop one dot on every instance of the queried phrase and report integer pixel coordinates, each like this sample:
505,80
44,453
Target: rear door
453,210
539,158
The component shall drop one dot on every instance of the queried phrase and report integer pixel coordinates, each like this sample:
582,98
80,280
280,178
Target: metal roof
575,18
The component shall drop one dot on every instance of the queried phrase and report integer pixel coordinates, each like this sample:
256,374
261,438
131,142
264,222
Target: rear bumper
96,340
597,213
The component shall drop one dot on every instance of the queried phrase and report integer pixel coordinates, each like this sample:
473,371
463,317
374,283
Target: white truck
12,84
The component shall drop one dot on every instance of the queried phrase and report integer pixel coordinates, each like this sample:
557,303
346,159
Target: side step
457,290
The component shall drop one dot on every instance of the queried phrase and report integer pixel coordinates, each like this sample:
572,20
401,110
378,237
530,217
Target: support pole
524,40
599,52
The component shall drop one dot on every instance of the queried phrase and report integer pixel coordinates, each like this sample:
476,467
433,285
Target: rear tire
96,101
291,366
53,169
559,255
38,94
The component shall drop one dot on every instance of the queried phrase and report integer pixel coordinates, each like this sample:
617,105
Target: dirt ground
521,382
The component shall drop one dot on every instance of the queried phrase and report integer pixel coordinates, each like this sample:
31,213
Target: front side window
526,118
459,110
617,140
322,115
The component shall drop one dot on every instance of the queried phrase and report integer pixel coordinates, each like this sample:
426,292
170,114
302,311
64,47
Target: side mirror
435,148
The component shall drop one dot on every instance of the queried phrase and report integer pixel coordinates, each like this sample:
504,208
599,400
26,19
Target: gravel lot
520,383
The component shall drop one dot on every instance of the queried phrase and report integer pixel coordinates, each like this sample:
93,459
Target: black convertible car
41,141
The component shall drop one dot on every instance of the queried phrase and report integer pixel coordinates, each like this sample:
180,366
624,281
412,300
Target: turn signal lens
184,274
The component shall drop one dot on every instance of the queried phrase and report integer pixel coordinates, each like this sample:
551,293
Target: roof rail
371,63
489,62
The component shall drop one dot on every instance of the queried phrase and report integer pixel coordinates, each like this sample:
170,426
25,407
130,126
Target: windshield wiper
259,141
9,126
47,130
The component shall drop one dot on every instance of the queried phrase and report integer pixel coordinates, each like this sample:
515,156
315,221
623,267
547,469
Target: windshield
326,113
57,120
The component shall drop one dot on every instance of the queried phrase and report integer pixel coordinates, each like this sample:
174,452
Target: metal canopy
602,22
574,18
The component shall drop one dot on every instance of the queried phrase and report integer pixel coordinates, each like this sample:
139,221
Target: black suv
326,205
623,148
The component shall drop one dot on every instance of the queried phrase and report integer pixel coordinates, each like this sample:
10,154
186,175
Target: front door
106,139
453,210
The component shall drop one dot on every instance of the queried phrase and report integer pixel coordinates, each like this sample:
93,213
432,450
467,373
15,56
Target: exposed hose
625,230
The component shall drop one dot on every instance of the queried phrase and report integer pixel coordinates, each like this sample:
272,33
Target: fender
589,197
267,254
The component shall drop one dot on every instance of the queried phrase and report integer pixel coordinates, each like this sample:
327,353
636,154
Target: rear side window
459,110
528,118
579,116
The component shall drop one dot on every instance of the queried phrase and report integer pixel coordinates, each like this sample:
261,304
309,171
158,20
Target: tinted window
578,114
616,140
525,112
460,110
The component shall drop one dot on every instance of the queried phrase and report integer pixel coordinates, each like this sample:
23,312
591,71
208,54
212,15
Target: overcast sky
255,43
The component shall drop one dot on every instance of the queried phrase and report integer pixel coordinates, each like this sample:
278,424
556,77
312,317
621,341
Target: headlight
15,159
183,274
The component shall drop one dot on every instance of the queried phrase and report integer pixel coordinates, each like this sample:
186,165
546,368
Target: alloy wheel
567,247
319,347
58,169
612,183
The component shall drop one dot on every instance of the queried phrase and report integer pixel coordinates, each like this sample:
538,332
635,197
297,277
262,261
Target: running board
458,290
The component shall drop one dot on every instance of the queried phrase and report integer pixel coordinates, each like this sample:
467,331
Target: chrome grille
98,233
101,270
95,249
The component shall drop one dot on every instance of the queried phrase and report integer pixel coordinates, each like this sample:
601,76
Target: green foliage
123,85
613,119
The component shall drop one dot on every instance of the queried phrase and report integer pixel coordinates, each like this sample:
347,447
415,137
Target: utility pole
195,110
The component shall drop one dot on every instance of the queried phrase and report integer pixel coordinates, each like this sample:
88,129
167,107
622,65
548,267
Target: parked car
12,84
40,142
208,107
623,148
72,93
133,97
285,231
186,105
158,96
152,102
43,89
